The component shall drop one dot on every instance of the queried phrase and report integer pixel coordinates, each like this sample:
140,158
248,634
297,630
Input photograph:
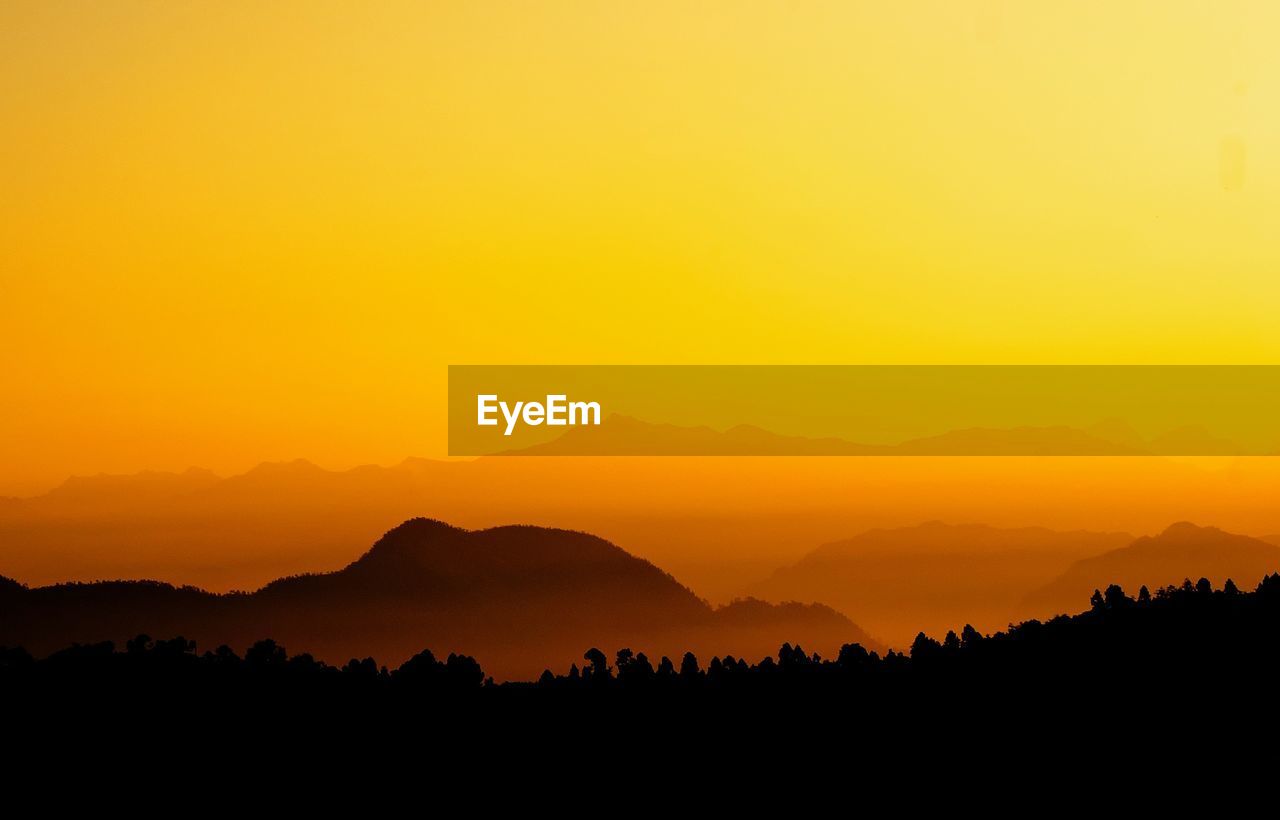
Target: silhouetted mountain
1016,441
138,488
276,519
513,596
9,587
1190,667
1116,431
1192,439
289,480
1182,551
624,435
935,575
720,525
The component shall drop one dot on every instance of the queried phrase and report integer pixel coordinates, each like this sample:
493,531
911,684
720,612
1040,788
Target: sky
233,232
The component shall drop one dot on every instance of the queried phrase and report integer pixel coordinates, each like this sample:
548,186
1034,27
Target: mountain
517,598
1181,552
1015,441
934,576
223,533
622,435
146,487
719,524
625,436
1193,439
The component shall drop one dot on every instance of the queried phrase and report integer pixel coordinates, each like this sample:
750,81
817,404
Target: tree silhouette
1185,649
689,670
598,669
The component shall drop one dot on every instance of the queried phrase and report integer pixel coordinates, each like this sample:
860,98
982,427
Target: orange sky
232,232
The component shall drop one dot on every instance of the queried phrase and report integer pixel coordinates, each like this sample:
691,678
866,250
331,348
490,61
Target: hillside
622,435
1183,660
1182,551
511,596
719,524
934,576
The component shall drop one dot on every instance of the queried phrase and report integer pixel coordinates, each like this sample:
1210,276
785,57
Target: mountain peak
140,486
297,465
1185,534
1183,529
416,529
425,547
1183,551
410,539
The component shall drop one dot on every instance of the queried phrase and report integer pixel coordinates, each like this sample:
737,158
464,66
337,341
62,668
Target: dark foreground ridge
1182,680
1192,641
515,598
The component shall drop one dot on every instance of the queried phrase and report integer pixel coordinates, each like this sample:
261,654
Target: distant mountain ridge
1183,551
624,435
512,596
720,525
628,436
934,576
148,485
282,518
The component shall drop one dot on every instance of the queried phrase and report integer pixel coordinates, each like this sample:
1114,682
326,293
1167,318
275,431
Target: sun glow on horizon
234,233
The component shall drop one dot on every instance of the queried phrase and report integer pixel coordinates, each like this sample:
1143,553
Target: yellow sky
233,232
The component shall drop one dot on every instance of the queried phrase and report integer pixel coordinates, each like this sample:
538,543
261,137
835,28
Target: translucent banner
864,410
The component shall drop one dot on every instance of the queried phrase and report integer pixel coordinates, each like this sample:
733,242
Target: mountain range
626,436
1182,552
720,524
935,576
517,598
727,527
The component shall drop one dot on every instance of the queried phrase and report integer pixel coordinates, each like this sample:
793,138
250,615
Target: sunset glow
238,232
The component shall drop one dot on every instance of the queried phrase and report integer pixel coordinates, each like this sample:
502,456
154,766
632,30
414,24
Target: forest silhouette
1128,696
1173,649
512,596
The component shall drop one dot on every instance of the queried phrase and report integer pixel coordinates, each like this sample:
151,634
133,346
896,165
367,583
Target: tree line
1189,630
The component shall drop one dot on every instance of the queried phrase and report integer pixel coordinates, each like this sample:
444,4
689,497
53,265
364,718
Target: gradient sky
234,232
